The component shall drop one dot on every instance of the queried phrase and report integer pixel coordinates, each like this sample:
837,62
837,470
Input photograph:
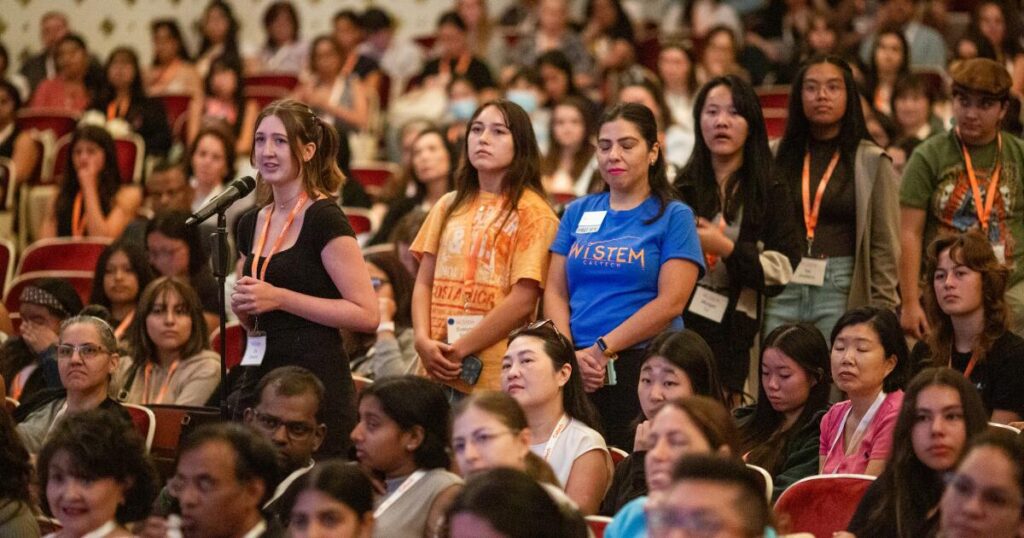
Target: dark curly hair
102,444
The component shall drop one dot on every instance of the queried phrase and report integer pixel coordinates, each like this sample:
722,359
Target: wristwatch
603,346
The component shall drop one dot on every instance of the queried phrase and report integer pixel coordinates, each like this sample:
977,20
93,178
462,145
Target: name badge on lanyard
984,206
810,272
709,304
255,348
590,222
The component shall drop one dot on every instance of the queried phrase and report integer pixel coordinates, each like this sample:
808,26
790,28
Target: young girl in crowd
123,97
890,60
482,252
847,191
781,432
92,200
869,364
175,250
675,141
94,476
334,499
431,169
678,77
679,364
999,24
983,497
219,35
540,371
623,265
172,71
402,434
750,247
569,167
224,102
283,51
302,276
941,413
969,319
172,362
211,165
75,85
694,425
122,272
392,351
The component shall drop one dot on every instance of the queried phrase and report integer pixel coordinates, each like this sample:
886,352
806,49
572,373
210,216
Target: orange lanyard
115,110
444,67
970,365
163,386
712,259
984,210
280,239
77,222
473,259
123,326
811,212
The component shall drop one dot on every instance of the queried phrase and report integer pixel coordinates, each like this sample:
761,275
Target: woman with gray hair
86,358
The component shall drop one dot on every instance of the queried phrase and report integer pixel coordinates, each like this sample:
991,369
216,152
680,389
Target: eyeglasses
297,431
156,254
86,351
540,324
479,439
378,283
662,520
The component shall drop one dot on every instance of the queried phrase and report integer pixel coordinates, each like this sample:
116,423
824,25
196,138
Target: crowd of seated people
634,268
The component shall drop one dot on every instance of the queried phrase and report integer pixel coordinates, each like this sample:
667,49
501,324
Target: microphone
234,191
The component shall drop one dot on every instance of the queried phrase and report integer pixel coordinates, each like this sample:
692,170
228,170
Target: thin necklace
282,205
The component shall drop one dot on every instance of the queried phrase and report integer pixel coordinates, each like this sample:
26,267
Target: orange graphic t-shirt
481,251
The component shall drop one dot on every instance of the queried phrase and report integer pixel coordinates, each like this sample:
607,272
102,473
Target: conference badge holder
255,346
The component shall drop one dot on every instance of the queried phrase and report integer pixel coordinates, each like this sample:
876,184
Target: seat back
598,524
821,504
284,81
775,123
235,343
774,96
63,254
144,422
59,162
618,455
173,422
175,106
59,122
80,280
373,175
10,404
359,218
361,383
131,152
999,426
6,262
264,95
764,478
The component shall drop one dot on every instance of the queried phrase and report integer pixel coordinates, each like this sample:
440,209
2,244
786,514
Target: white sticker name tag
1000,252
590,222
709,304
458,326
810,272
255,348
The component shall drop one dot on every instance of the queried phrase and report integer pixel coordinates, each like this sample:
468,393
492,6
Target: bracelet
386,326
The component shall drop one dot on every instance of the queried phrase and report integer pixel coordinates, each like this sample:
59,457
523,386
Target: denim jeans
821,306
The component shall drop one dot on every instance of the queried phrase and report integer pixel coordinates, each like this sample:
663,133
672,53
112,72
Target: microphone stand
219,259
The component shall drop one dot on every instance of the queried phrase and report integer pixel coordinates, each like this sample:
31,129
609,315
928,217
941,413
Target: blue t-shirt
613,272
630,521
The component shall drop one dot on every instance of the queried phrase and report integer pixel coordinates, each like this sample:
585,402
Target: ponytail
321,175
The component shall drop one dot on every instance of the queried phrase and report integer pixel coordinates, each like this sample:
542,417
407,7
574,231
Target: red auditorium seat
62,254
821,504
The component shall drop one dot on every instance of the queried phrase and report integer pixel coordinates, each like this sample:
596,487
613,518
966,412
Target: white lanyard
862,427
106,529
409,482
559,428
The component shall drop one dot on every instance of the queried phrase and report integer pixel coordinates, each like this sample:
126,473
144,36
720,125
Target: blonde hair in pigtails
320,175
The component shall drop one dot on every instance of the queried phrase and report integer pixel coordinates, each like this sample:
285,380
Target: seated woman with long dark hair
940,415
970,323
122,272
780,433
92,200
172,362
122,97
